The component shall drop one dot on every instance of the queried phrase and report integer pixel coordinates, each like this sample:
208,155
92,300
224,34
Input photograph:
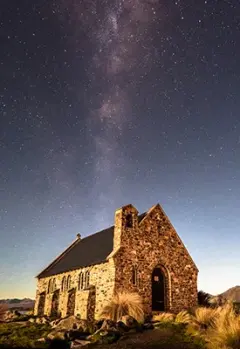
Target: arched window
81,281
134,276
49,286
129,221
87,279
64,283
68,282
53,287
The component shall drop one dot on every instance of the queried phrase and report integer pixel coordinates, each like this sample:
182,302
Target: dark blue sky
105,103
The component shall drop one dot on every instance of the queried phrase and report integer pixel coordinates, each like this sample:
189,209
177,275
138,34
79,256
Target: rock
9,316
130,322
79,343
74,323
41,321
77,335
41,340
61,334
32,320
108,325
104,336
148,326
120,326
44,321
98,324
54,323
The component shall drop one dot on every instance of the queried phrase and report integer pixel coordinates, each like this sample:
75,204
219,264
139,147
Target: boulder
32,320
77,335
41,340
108,325
54,323
129,321
74,323
120,326
79,343
61,334
104,336
148,326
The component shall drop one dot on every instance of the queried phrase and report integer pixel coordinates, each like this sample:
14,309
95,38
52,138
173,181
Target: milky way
105,103
120,32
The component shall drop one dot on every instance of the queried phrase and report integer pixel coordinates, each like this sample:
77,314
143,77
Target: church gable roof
93,249
90,250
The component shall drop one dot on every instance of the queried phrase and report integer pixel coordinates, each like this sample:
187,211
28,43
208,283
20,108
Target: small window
135,276
129,221
64,283
69,282
87,277
81,281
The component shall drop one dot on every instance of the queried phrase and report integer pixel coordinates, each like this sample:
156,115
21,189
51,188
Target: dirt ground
153,339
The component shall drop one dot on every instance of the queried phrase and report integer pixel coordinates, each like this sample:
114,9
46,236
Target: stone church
140,253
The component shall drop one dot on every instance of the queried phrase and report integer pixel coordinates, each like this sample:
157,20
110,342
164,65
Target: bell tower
126,222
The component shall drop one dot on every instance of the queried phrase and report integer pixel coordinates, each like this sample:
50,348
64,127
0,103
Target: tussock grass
183,317
163,318
124,304
225,333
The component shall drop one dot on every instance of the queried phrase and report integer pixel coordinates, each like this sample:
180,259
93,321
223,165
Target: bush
204,299
124,304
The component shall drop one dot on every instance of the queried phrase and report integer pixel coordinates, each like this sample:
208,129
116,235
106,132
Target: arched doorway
158,290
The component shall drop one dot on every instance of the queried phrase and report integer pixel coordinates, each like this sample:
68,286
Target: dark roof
91,250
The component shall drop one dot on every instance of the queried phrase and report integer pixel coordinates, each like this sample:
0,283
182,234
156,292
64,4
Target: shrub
124,304
204,299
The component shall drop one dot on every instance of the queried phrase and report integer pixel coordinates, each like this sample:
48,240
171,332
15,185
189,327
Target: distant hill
25,303
232,294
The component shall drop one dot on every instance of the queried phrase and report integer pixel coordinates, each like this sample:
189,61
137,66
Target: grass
124,304
22,335
205,328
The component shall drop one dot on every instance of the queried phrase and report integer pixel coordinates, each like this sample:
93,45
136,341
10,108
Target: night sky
109,102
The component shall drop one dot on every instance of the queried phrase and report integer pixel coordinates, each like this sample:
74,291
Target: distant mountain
25,303
232,294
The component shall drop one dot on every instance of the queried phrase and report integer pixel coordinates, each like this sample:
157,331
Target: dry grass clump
124,304
163,317
205,318
225,333
183,317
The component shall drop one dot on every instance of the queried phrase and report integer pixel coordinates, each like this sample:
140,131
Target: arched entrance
158,290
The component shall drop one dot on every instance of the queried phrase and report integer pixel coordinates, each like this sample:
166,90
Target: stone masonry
139,248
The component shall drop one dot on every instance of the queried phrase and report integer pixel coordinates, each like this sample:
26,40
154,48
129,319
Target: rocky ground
75,333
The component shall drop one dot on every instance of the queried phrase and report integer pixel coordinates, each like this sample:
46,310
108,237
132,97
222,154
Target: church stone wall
88,302
151,243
